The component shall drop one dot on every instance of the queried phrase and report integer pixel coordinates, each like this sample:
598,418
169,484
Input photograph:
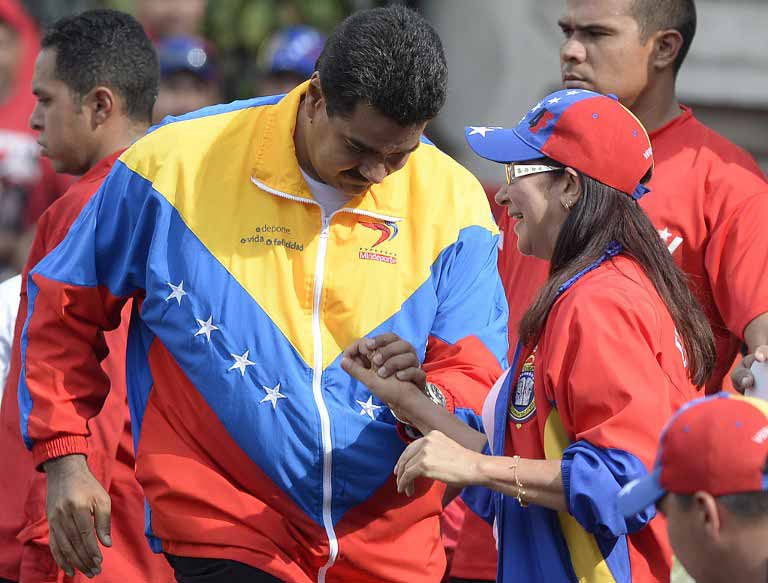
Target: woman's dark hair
389,58
601,215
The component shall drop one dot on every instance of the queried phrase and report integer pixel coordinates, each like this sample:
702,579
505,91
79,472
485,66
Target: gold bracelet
518,483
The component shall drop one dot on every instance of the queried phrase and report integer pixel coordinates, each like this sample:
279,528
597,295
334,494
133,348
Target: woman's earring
566,204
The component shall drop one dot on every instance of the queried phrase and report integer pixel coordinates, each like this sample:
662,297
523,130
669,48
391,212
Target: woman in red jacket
611,347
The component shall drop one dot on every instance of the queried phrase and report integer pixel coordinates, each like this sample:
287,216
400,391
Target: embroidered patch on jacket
522,406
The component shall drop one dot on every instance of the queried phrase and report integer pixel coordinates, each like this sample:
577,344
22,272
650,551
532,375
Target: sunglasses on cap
514,171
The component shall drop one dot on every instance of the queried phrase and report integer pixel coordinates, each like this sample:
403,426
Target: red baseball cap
717,444
588,131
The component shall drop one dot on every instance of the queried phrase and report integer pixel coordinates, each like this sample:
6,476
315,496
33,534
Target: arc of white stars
482,130
572,92
177,292
554,100
368,407
537,107
241,362
273,395
206,327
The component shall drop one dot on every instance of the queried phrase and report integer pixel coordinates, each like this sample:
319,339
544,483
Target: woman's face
535,202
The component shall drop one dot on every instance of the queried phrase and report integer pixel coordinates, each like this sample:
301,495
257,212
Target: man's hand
440,458
741,377
75,503
387,355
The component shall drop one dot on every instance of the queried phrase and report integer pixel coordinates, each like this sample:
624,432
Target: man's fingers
383,340
398,347
64,539
356,370
397,363
58,556
88,542
358,352
102,520
413,375
761,354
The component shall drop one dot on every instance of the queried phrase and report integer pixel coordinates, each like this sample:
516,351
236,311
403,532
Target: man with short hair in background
95,81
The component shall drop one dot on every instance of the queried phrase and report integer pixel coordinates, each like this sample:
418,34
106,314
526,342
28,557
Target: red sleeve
601,355
735,262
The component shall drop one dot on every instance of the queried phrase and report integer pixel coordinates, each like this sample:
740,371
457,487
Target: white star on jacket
482,130
273,395
241,362
665,234
206,327
368,407
177,293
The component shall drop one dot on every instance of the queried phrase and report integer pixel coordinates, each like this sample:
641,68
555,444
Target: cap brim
641,493
499,144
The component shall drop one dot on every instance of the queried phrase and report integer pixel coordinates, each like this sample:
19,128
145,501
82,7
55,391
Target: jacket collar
277,168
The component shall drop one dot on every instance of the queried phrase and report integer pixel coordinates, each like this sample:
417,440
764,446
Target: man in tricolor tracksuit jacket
252,445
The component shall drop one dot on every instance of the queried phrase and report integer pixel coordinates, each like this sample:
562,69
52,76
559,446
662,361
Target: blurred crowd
206,57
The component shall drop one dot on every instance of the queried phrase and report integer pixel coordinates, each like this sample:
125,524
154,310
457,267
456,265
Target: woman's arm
438,457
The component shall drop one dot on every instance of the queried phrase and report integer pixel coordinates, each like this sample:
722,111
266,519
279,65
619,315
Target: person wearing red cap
716,502
710,199
614,344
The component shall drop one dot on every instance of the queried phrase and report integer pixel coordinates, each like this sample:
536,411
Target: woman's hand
387,365
440,458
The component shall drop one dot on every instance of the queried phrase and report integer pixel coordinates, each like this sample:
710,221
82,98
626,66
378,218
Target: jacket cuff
42,451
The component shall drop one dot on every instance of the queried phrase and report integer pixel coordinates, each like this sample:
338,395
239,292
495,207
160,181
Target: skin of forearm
756,333
426,416
541,479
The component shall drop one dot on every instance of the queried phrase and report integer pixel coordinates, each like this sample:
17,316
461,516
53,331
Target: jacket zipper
317,368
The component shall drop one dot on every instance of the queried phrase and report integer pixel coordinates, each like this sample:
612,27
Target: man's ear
707,514
315,100
101,103
667,45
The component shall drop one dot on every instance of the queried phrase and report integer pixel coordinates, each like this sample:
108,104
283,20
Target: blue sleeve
468,339
592,478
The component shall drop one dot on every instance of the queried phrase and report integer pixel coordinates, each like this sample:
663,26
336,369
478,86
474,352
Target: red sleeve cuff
42,451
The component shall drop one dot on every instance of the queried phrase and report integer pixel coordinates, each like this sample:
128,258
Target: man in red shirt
708,199
95,81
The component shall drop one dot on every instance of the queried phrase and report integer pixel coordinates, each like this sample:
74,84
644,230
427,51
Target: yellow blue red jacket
251,443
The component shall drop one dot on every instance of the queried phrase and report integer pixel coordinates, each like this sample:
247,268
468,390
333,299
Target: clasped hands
390,368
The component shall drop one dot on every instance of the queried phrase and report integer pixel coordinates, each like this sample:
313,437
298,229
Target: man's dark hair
389,58
600,216
109,48
655,15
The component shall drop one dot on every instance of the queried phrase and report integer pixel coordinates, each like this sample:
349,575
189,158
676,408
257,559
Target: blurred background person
28,183
288,59
716,502
189,78
168,18
9,305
